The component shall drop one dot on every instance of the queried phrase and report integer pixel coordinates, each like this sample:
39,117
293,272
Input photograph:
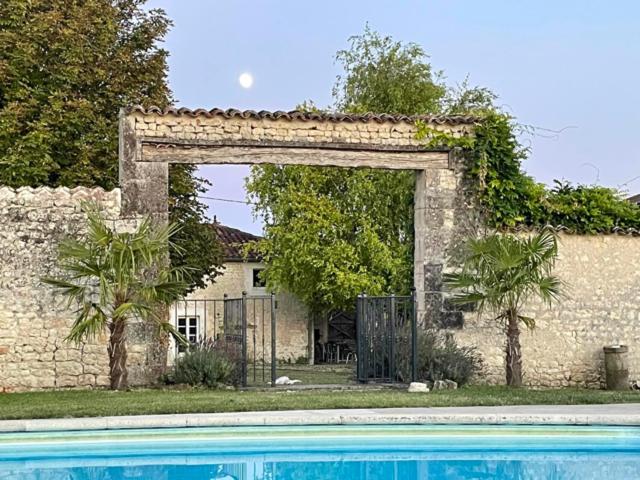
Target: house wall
33,322
237,277
602,307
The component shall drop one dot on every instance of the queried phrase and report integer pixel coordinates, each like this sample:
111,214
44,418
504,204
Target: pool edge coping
609,414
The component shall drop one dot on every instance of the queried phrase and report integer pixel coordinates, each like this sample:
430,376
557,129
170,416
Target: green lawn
309,375
137,402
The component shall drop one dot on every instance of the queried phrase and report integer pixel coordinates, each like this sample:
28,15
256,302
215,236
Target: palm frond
91,321
168,327
501,272
529,322
121,275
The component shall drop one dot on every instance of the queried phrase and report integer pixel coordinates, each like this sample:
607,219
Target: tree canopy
385,76
331,233
66,68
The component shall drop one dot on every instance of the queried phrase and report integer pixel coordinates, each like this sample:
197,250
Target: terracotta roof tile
233,241
634,199
305,116
562,229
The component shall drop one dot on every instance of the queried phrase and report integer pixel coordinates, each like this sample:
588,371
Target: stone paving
616,414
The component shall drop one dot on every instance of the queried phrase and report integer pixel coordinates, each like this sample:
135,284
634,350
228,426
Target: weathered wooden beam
394,160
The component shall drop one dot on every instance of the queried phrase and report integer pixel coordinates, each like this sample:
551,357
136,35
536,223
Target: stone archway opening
151,139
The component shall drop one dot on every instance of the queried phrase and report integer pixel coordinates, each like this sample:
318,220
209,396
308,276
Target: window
188,327
258,282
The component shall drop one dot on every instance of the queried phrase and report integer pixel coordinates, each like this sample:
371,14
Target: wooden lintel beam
394,160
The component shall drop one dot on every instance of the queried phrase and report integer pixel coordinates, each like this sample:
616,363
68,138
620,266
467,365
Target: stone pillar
145,191
440,222
420,235
144,185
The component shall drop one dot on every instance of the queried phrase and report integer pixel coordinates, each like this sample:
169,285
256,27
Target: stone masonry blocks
33,321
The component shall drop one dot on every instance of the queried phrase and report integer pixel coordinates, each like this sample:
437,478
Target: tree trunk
514,354
117,355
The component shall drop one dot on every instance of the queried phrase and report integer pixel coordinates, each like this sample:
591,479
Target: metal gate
386,338
244,327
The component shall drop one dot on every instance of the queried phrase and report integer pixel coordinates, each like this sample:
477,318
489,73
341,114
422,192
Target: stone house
201,313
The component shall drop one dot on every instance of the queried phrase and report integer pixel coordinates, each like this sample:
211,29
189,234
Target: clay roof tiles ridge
304,116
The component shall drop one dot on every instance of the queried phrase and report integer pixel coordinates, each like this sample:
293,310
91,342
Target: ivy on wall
509,198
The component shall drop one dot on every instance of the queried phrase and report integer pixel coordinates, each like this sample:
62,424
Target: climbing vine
509,198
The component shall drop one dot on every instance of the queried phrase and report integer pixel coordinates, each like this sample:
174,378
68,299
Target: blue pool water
335,452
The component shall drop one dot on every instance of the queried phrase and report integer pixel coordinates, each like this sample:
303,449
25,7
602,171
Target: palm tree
114,279
500,273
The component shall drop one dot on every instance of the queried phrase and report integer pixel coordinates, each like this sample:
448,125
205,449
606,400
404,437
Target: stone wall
601,272
602,307
200,126
291,315
33,322
152,138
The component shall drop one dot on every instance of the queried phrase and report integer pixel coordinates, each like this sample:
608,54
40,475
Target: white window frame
191,321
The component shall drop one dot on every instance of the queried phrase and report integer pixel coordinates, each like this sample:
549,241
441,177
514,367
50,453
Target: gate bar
392,343
273,339
244,339
414,337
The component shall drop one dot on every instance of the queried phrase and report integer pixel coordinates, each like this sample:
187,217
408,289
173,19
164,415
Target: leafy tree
114,278
66,68
197,250
464,99
331,233
500,273
385,76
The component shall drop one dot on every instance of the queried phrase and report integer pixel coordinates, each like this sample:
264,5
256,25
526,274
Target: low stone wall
33,321
602,307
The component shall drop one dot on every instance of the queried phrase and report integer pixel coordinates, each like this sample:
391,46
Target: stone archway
151,139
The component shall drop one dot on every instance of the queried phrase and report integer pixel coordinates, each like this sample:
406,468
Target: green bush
440,358
508,197
207,364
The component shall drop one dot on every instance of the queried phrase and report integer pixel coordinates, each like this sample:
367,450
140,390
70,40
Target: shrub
440,358
207,363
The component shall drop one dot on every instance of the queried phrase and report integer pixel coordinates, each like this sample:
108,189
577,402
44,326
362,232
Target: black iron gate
386,338
244,326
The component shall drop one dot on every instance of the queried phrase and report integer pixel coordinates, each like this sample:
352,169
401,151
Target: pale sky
570,66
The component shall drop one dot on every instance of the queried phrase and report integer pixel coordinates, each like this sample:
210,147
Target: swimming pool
372,452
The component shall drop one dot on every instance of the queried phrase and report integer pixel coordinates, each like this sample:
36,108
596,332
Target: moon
245,80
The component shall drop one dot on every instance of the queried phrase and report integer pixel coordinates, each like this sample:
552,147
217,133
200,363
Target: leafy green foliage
440,358
205,364
385,76
502,272
509,198
66,68
332,233
115,278
589,209
198,251
329,235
